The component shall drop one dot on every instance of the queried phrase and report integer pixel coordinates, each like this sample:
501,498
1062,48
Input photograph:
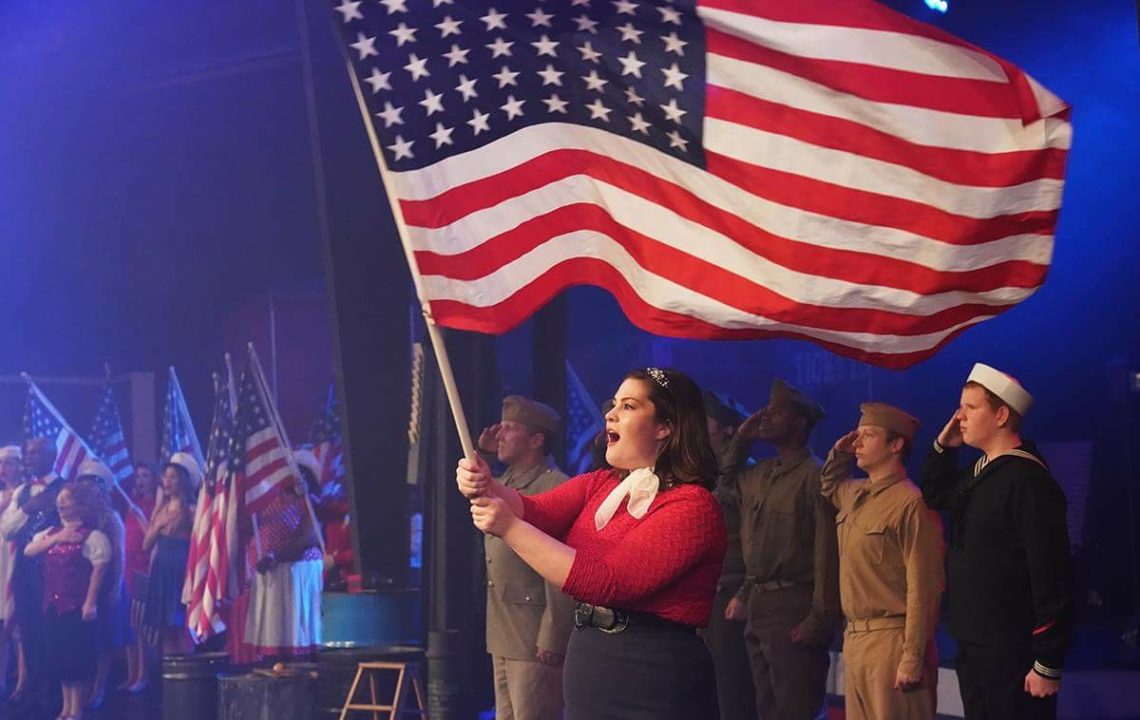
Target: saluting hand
846,444
750,428
951,435
489,439
473,478
491,515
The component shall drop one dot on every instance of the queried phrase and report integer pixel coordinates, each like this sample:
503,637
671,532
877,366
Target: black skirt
645,672
70,646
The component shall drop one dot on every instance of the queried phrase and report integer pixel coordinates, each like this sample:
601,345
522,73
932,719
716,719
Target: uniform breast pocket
869,541
524,595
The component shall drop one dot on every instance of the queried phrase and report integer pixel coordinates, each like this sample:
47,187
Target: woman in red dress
640,546
142,489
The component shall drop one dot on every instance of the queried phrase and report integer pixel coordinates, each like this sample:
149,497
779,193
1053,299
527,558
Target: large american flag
41,419
267,461
831,171
107,436
178,434
328,445
214,539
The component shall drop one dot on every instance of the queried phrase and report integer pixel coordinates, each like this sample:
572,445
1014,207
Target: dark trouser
27,591
790,678
992,683
725,640
641,673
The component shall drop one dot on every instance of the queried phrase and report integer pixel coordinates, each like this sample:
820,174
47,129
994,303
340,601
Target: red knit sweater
667,563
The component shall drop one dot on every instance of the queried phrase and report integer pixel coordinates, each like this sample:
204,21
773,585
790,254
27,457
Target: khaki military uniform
724,637
788,540
525,614
891,578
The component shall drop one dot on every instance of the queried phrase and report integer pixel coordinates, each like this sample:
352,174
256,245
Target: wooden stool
396,708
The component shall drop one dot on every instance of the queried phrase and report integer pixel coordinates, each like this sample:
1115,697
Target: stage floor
1102,682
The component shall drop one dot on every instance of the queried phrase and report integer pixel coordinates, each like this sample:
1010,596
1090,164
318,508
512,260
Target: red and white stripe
873,185
71,452
267,465
118,459
223,545
197,563
329,454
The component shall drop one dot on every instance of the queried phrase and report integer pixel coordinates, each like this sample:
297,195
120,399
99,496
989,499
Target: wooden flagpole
436,335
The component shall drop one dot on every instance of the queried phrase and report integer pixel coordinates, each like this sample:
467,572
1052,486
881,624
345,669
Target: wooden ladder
396,708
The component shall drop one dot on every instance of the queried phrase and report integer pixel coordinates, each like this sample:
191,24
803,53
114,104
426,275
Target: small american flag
829,171
267,462
107,437
41,419
178,434
328,445
214,538
583,423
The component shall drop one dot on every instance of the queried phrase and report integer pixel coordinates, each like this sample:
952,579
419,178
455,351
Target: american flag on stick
328,445
214,540
108,438
178,434
268,460
835,172
41,419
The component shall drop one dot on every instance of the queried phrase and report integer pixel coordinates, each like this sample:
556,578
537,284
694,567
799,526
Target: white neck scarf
640,485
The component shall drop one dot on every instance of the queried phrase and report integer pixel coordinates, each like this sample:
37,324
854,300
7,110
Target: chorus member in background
283,618
724,636
1011,571
333,515
141,489
790,594
11,477
169,535
75,559
528,619
32,510
113,631
891,572
639,546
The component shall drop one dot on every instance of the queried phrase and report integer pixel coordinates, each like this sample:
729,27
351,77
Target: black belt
613,621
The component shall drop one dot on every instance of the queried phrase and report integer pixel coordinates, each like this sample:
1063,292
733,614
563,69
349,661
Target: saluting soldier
891,572
1010,573
528,620
790,595
725,636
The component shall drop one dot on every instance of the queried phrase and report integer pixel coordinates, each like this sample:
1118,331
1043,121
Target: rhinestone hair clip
658,376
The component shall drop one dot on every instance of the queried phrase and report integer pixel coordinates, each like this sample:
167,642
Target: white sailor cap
189,464
11,452
95,468
1005,387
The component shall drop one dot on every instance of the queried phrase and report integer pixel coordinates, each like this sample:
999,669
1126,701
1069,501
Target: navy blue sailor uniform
1009,579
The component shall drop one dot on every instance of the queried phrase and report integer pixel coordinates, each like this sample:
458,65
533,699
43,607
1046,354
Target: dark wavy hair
686,456
186,487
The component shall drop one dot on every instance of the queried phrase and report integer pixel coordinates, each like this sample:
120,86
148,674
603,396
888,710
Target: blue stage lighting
939,5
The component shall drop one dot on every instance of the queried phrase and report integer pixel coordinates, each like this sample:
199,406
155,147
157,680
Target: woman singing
640,546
